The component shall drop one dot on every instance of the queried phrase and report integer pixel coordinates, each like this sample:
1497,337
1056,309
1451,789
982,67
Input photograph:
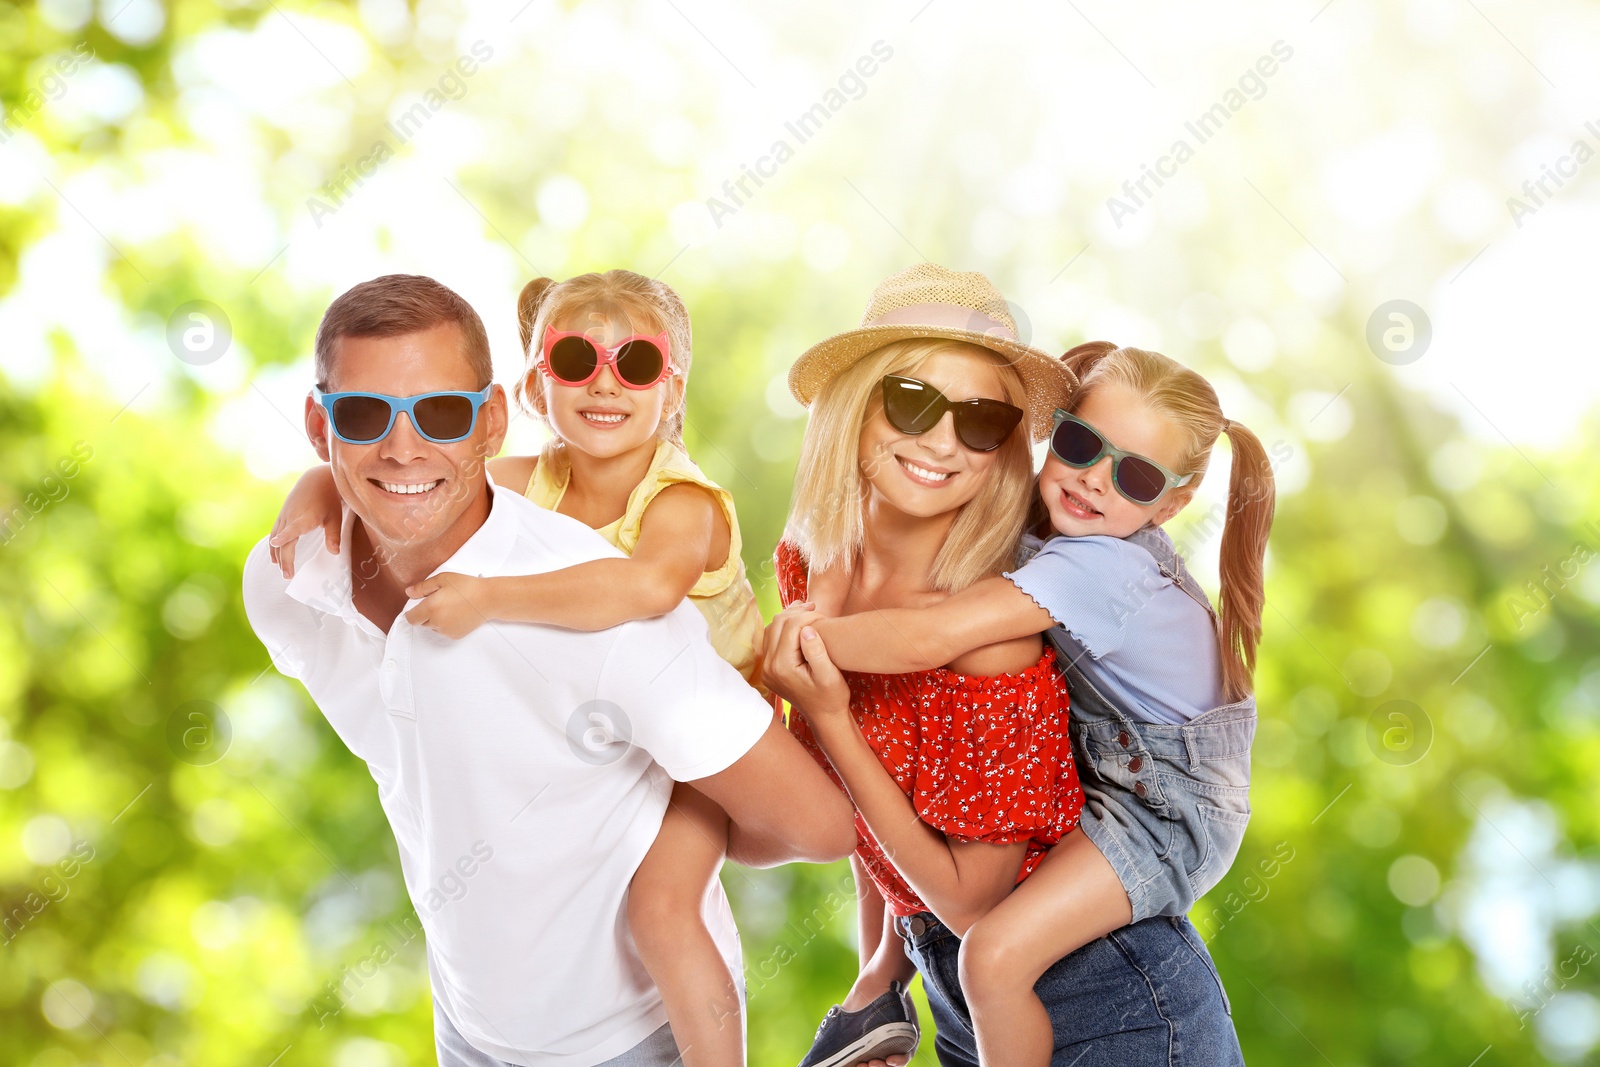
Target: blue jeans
1146,994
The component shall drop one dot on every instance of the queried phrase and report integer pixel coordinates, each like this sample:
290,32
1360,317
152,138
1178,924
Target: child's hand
313,502
452,604
774,633
796,665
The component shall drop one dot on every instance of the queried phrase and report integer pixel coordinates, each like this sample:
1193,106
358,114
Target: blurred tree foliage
179,891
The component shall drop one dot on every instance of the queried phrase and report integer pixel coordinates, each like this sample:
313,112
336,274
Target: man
524,769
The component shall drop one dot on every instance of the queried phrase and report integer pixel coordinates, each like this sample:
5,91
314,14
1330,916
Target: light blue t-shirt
1139,638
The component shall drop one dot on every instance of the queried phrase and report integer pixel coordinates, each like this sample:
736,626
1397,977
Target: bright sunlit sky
1376,164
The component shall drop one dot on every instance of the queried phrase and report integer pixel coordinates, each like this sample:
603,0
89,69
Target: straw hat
932,301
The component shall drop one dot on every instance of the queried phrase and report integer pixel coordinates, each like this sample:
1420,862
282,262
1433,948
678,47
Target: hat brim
1046,380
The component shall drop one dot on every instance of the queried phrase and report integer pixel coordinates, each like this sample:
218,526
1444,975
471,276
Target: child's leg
664,912
870,910
883,955
1071,899
887,963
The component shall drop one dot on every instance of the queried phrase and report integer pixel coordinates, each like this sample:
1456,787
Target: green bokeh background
1436,902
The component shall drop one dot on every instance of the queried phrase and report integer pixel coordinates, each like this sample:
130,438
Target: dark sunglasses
572,358
1143,481
362,418
915,407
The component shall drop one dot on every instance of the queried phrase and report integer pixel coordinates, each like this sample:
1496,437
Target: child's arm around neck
677,536
897,640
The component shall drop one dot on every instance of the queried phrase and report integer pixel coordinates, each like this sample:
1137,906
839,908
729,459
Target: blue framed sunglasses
1143,481
363,418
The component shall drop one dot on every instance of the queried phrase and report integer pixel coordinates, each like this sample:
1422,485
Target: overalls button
1135,763
1140,790
918,926
1123,739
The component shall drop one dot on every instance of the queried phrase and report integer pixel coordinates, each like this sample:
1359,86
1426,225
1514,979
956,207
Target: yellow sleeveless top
724,596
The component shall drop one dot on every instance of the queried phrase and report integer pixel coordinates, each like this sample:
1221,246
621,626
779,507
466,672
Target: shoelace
823,1025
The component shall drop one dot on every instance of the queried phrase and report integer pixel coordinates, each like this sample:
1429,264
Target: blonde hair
1178,393
645,304
825,512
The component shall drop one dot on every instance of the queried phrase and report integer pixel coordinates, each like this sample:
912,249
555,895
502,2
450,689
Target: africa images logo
451,86
850,85
1252,85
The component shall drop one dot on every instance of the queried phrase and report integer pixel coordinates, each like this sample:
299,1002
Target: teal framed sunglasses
1139,479
364,418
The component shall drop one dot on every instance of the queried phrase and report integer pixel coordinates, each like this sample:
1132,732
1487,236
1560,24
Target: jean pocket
1219,833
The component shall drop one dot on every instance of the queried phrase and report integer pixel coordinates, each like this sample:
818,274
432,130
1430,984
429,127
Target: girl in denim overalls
1162,706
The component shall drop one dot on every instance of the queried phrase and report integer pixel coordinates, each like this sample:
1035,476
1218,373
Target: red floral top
982,758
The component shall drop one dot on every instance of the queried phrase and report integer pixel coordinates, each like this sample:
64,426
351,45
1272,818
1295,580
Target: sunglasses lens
1076,444
573,359
911,406
1139,481
444,418
361,418
639,363
984,425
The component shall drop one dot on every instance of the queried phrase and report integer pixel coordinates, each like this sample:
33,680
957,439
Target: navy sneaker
886,1027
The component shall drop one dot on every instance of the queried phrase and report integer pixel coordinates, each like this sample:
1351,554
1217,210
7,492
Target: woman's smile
923,474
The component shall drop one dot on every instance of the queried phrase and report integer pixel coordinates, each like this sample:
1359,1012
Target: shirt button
1123,739
1135,763
388,664
1140,790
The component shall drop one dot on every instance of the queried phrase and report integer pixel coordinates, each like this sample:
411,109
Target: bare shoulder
513,472
694,505
684,502
1002,657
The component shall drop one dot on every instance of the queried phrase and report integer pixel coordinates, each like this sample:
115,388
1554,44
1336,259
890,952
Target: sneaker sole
890,1039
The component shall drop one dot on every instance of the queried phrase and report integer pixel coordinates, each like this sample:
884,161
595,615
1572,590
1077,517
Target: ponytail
528,304
1251,496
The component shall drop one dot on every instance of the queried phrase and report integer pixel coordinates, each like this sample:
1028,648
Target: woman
913,483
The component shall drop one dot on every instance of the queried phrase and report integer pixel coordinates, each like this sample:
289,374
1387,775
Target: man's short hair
397,304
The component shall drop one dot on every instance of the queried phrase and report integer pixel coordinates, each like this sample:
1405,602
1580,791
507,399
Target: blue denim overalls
1166,805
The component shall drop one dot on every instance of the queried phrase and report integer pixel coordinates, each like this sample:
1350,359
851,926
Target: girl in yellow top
607,367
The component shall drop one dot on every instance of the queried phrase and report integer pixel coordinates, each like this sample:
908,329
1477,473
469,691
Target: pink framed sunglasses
572,358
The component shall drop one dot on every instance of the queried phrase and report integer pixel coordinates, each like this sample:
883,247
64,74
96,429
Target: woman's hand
314,501
796,666
770,633
452,604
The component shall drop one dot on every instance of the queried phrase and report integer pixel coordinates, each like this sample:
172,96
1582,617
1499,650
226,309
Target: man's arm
781,807
704,724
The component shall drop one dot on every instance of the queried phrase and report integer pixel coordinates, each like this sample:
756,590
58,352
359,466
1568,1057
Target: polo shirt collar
323,581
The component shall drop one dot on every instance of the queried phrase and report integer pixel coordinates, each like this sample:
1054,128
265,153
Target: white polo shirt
519,820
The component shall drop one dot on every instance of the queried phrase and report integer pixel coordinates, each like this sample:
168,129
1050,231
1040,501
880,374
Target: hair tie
1227,425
